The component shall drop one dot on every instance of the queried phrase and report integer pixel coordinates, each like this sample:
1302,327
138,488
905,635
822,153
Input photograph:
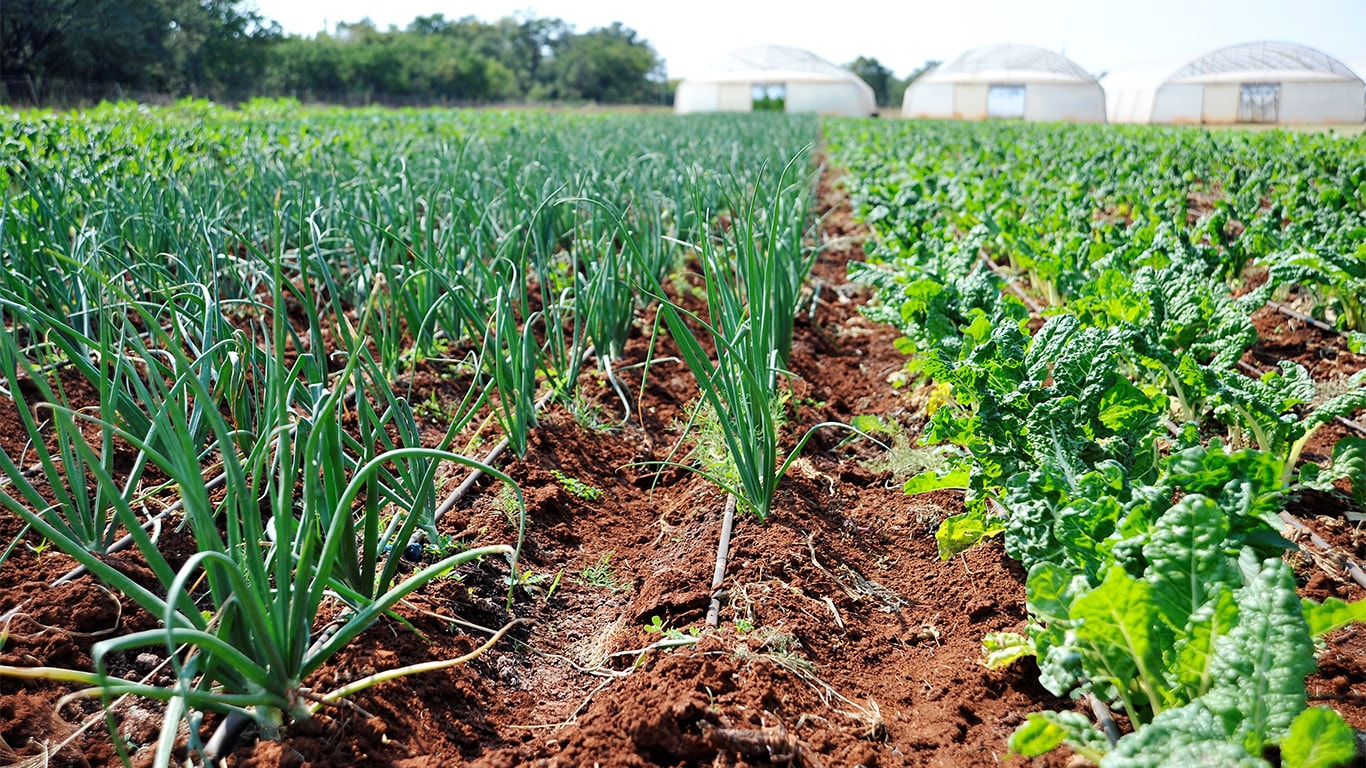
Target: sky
1100,35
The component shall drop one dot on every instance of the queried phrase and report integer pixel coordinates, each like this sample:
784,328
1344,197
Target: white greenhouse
1265,82
778,78
1007,81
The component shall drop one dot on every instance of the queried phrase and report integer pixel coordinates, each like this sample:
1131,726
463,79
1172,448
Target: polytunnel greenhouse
778,78
1007,81
1265,82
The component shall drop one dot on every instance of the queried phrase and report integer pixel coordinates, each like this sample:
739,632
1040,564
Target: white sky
1100,35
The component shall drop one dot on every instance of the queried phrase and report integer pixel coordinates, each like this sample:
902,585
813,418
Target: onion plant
245,644
753,267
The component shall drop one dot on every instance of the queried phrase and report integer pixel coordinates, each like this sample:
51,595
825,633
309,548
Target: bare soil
844,639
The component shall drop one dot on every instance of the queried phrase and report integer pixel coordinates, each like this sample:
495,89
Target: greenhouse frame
778,78
1007,81
1263,82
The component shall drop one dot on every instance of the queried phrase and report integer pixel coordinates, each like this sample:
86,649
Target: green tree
178,45
878,77
608,65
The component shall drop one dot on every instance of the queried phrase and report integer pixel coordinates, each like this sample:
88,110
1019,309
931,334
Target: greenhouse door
768,97
1006,101
1259,102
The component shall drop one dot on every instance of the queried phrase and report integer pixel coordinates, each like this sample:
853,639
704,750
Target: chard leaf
1048,592
1213,754
954,475
1343,405
1032,501
1057,437
1289,387
1318,738
1349,461
1050,345
1170,735
1124,408
1187,565
961,532
1259,666
1194,649
1121,636
1082,528
1001,649
1042,732
1332,614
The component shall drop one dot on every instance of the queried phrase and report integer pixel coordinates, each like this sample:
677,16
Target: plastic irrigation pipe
1348,564
489,458
722,557
1288,312
127,539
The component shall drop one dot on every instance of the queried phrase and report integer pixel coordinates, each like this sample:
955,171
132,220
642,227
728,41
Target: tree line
226,50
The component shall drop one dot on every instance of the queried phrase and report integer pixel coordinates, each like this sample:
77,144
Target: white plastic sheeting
1019,81
1266,82
807,83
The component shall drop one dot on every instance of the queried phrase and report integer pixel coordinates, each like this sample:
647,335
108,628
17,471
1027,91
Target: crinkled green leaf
1043,732
1001,649
1259,666
1121,636
1169,735
1290,386
1332,614
1049,592
1318,738
1049,345
1349,461
1187,563
1343,405
960,532
1126,408
1194,648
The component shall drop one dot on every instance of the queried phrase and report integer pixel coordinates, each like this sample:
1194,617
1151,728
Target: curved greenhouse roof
1262,58
1015,63
1007,81
774,77
1262,82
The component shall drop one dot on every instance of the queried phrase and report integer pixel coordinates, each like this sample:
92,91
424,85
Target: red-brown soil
844,639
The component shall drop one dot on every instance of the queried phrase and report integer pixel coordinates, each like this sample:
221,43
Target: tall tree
878,77
180,45
609,65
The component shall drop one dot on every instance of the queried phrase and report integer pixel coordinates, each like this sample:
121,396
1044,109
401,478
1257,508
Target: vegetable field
466,438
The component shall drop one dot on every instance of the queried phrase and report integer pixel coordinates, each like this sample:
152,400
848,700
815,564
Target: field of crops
473,438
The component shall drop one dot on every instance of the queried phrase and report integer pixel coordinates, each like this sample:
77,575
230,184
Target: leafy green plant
658,627
601,575
576,487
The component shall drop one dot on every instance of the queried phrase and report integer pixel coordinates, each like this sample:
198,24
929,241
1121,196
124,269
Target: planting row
248,295
1080,300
